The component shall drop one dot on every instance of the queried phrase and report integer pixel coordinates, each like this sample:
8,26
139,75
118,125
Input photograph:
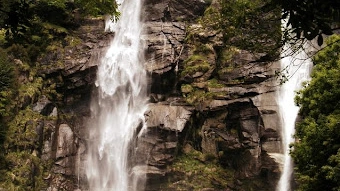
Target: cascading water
296,66
120,105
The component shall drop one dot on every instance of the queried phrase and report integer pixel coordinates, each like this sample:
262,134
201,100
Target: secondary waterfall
120,105
296,66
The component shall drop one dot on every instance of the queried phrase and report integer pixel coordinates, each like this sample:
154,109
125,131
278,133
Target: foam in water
297,66
120,106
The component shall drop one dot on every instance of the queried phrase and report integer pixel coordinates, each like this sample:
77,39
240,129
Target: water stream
120,105
296,66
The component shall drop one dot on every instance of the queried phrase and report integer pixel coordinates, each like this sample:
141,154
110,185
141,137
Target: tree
24,18
98,7
317,150
15,18
7,91
310,18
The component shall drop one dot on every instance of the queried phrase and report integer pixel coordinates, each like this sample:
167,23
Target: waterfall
296,66
119,108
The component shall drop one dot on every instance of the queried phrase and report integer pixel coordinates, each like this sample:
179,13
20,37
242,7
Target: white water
297,67
120,105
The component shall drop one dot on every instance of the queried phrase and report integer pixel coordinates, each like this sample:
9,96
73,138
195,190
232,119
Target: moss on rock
196,171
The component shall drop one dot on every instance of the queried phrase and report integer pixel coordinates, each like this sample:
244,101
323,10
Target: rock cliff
212,120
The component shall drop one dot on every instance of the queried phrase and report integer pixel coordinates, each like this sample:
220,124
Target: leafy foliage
97,7
7,91
248,26
15,18
316,154
310,19
24,19
323,93
6,73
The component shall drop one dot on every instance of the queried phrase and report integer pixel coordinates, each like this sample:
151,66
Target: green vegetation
225,60
7,83
235,25
199,171
200,60
8,91
214,83
196,63
317,151
38,22
246,25
197,95
21,167
309,19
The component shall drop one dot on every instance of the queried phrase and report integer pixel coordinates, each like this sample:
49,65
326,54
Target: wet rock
65,142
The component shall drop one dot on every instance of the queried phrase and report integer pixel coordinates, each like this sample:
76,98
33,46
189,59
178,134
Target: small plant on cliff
195,63
198,171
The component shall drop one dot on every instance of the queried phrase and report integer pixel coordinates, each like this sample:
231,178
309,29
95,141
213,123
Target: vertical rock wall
237,127
240,126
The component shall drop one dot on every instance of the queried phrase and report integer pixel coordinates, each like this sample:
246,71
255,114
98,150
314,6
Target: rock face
171,118
237,123
73,67
240,126
159,144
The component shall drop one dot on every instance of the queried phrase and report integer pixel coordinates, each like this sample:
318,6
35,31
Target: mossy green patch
212,18
187,88
214,83
199,171
198,96
72,40
225,61
203,49
201,67
195,63
226,55
195,59
2,37
54,29
195,96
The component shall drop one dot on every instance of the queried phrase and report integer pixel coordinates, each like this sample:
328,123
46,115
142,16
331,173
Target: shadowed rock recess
212,119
